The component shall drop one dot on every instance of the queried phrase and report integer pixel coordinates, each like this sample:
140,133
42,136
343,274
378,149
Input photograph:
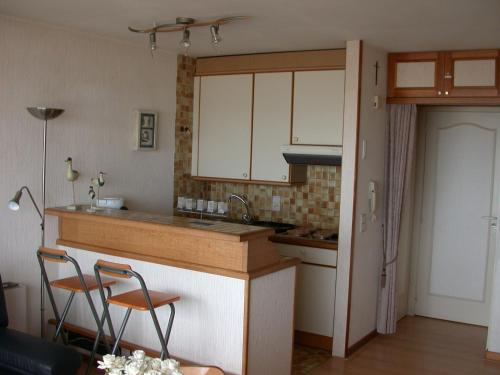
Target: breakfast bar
237,293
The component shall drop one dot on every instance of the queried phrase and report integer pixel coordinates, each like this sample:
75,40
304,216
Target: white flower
169,364
119,363
135,367
138,364
107,362
138,355
155,364
154,372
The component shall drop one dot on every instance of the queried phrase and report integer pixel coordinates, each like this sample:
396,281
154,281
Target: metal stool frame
128,273
42,255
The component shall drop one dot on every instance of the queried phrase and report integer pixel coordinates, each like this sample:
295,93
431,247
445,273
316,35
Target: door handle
489,217
492,220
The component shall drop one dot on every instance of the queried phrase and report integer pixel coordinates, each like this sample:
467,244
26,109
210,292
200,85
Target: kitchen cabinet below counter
314,294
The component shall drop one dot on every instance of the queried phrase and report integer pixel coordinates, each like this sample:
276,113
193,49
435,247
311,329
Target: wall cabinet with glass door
456,77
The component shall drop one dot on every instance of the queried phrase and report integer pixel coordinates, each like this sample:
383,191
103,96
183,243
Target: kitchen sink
278,227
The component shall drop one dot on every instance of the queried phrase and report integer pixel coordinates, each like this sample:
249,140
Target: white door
225,126
272,116
459,207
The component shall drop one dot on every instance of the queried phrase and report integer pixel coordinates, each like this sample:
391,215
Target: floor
421,346
306,359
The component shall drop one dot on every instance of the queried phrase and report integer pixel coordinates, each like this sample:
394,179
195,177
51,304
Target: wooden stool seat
135,299
139,299
73,283
195,370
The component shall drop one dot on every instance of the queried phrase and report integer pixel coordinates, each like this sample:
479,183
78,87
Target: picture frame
146,130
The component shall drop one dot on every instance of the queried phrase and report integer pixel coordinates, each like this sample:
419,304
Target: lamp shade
14,202
44,113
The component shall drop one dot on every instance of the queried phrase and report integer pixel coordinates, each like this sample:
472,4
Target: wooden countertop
229,249
211,228
310,242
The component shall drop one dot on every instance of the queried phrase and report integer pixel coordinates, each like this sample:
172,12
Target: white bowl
110,202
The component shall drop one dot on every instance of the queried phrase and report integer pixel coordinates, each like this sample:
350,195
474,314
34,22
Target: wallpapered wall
317,202
99,82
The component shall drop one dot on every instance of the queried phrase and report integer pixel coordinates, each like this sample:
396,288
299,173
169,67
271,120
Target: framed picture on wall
146,130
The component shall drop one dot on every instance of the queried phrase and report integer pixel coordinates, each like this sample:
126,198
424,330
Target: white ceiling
282,25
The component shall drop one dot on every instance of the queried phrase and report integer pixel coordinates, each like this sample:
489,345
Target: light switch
276,203
362,223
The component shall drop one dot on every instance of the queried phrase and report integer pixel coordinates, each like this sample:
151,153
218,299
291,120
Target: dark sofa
24,354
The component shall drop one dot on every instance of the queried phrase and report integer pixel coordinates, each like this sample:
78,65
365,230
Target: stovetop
333,238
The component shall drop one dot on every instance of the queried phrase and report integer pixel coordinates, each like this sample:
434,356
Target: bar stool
75,284
139,299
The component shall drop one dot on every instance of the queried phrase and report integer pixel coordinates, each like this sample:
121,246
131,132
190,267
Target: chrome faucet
246,217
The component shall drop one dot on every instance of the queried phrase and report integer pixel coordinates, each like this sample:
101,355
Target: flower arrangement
138,364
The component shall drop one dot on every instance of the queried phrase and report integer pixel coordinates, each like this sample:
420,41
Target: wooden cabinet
272,113
318,107
415,74
315,292
471,74
225,126
461,77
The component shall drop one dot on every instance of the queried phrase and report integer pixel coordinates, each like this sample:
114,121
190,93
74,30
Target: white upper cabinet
318,107
271,126
225,126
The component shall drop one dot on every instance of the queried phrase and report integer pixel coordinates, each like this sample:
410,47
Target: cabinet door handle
284,177
245,175
446,93
439,92
295,139
448,76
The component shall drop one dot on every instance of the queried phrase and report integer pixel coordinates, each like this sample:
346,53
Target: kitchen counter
212,246
236,292
275,237
220,229
303,241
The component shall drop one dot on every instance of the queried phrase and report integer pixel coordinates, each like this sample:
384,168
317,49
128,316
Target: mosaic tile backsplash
315,203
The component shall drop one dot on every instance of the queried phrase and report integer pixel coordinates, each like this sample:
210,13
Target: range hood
312,155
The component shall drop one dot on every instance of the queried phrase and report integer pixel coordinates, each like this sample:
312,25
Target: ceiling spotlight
185,42
214,31
152,41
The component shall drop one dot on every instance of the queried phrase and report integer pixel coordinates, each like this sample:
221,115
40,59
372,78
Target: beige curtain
399,154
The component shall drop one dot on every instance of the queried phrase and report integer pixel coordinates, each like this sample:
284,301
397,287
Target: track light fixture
184,24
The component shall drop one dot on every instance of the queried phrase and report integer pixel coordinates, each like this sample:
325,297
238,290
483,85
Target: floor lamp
44,114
